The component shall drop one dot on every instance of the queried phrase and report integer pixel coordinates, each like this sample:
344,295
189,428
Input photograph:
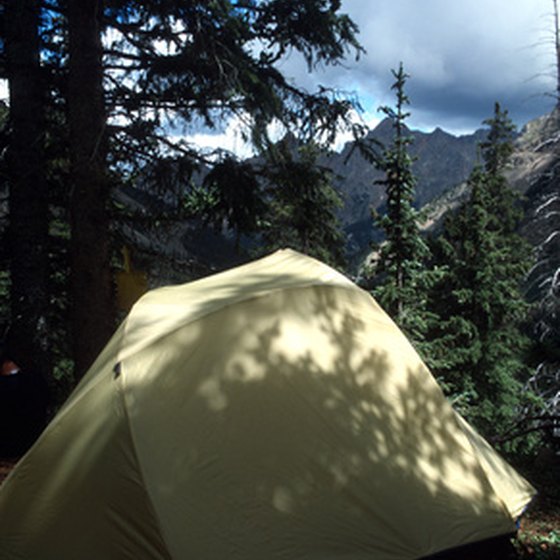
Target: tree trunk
92,292
28,201
557,49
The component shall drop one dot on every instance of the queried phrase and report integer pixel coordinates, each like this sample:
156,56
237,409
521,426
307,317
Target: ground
538,537
539,533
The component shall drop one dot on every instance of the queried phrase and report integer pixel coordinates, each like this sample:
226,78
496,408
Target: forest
95,88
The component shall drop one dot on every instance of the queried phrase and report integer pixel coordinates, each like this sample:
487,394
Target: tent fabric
271,411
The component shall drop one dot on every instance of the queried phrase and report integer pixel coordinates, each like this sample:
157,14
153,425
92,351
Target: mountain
539,178
538,169
442,166
536,151
442,161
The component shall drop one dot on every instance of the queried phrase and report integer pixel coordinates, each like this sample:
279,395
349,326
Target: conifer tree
479,346
231,196
131,70
400,276
26,175
92,313
302,204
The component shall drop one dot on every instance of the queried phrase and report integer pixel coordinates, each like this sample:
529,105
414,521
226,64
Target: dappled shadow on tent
298,428
253,415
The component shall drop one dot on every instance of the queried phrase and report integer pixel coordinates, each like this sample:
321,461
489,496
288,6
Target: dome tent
271,411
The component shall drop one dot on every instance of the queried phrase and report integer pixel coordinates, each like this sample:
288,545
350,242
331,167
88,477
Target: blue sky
462,56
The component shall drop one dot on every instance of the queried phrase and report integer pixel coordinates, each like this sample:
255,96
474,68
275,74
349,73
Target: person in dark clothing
23,406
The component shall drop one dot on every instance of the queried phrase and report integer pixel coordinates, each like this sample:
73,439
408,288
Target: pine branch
516,431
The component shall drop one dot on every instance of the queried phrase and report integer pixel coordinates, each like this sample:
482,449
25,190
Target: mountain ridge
442,161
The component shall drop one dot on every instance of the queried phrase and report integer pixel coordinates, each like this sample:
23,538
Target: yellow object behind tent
273,411
131,284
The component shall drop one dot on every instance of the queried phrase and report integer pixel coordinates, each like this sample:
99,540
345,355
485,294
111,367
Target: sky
462,56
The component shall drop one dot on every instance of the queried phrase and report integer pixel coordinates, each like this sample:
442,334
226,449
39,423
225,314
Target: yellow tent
273,411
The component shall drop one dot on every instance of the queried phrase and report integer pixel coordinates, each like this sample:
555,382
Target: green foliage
234,197
541,544
168,67
497,149
182,64
286,199
401,277
479,346
185,63
302,204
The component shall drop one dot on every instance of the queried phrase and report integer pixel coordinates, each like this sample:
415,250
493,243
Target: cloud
461,56
229,137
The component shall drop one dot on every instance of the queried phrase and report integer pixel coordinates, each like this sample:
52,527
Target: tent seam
121,389
349,288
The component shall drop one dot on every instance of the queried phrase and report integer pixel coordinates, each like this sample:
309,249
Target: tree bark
557,50
28,200
91,284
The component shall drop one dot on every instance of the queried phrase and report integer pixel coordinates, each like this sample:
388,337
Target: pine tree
175,63
192,63
231,197
302,204
400,272
93,310
28,188
479,345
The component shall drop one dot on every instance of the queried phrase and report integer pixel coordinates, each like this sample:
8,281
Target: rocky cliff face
541,225
540,163
536,150
441,162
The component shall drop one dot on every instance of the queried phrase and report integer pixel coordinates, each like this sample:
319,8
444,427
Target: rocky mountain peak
442,161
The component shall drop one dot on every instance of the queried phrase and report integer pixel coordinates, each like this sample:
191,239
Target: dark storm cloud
462,56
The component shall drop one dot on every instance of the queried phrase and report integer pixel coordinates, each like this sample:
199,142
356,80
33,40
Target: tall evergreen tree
285,198
190,63
479,345
179,62
167,64
26,174
231,197
400,268
91,292
302,204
